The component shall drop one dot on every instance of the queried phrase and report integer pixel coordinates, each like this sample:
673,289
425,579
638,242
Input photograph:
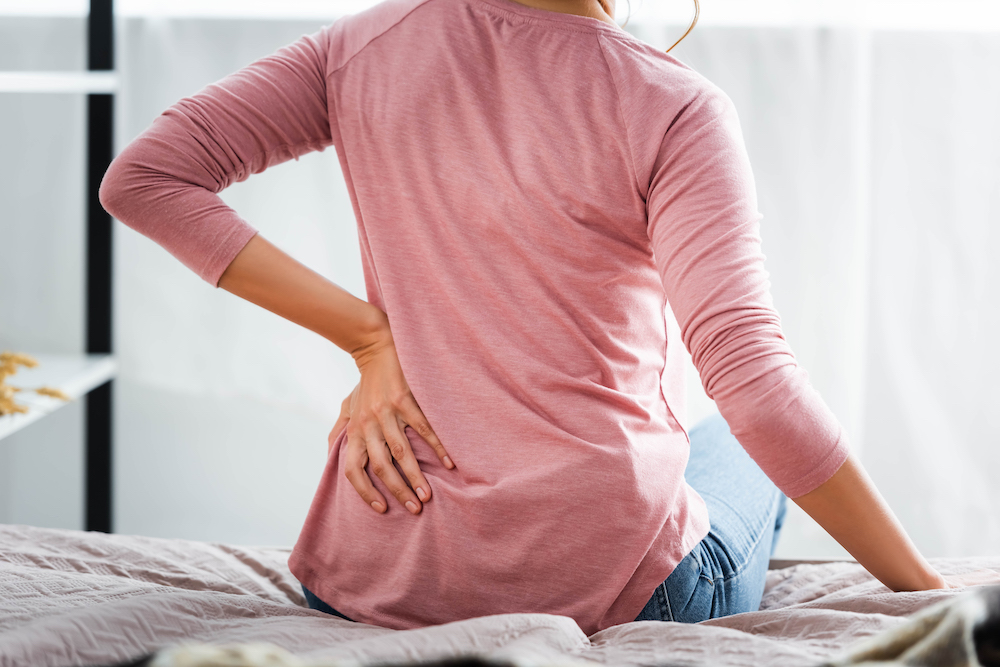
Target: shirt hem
826,469
308,578
226,252
636,602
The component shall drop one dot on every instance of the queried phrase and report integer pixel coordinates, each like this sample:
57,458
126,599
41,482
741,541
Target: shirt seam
621,113
666,351
354,55
635,181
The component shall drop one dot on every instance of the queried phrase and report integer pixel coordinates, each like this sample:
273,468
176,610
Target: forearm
850,508
265,275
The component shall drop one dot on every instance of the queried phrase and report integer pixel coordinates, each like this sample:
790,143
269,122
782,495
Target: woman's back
503,234
529,187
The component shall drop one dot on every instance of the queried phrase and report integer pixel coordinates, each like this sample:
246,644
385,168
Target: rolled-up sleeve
165,183
703,224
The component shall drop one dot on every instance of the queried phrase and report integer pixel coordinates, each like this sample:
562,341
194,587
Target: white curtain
877,156
877,159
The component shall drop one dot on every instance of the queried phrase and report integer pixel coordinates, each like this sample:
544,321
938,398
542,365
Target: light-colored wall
41,261
228,403
878,257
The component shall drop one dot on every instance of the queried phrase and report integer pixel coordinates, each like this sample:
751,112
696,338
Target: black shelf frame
98,480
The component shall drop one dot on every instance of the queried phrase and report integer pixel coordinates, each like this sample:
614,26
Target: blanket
954,633
75,598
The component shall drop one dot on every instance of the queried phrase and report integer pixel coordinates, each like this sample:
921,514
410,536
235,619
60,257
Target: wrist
926,579
371,336
933,579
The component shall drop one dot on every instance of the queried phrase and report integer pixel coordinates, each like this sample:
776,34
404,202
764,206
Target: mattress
77,598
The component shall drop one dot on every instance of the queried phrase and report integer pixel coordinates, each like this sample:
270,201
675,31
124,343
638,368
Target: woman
548,209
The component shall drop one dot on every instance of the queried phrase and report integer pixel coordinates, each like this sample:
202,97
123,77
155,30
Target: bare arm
382,405
165,184
850,508
265,275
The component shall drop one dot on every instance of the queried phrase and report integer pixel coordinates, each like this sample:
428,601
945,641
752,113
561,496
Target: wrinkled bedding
75,598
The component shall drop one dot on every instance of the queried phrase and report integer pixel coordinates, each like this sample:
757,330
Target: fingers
339,426
414,416
341,423
355,461
975,578
376,438
381,465
399,448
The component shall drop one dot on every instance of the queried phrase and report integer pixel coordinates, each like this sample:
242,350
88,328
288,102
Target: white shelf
58,82
74,374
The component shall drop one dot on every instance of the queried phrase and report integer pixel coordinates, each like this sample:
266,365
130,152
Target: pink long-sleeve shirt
548,210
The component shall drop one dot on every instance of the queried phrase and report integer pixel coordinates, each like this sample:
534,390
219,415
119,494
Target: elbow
125,185
112,192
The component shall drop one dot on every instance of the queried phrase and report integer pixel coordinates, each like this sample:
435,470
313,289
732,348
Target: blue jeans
724,574
317,604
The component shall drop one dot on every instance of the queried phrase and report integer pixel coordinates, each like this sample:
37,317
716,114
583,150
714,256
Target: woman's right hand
374,416
341,423
381,406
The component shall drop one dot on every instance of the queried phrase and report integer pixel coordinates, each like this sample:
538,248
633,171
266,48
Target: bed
76,598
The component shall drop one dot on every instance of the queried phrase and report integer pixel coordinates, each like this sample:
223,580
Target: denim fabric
724,573
317,604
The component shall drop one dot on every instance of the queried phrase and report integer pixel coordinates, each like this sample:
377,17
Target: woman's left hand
975,578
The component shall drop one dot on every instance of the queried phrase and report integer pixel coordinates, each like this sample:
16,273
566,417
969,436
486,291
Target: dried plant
9,361
53,392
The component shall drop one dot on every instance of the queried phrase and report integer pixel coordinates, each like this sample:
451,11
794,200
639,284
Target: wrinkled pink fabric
532,189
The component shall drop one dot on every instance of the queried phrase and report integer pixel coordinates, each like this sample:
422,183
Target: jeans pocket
690,590
694,604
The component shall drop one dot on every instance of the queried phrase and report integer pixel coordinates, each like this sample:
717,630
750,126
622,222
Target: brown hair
694,22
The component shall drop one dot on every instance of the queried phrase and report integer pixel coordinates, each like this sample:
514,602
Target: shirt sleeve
165,183
703,224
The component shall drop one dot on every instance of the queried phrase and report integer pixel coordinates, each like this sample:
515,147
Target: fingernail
447,462
412,506
421,494
377,506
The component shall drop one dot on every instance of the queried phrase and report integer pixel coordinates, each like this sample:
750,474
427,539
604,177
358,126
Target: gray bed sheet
77,598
